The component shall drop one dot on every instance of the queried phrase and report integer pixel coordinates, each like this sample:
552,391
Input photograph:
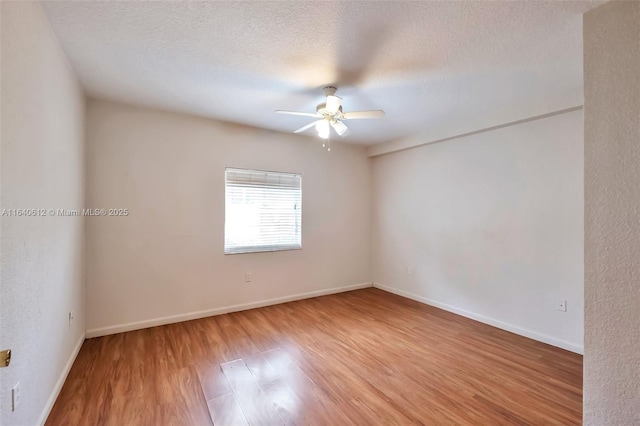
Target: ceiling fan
330,114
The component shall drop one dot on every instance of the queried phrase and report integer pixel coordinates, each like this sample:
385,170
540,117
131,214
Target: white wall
492,225
166,258
612,214
41,257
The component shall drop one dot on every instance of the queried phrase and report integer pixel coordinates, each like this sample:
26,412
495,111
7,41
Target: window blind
263,211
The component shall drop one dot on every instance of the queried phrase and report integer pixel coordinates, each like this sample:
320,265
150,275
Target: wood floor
365,357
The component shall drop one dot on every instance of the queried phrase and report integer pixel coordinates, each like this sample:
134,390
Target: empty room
320,213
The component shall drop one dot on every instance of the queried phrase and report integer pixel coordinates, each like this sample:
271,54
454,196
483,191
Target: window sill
254,249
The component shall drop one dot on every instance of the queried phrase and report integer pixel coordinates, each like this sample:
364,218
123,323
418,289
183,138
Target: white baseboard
487,320
104,331
60,382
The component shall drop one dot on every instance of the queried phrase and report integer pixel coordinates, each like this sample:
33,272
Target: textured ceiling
424,63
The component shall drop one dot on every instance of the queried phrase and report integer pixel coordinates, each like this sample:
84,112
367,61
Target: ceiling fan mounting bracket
329,90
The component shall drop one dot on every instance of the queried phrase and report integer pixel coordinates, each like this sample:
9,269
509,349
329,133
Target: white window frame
253,180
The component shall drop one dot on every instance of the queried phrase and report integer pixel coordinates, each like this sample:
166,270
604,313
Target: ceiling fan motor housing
322,110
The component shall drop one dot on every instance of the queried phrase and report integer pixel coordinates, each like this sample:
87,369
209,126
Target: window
263,211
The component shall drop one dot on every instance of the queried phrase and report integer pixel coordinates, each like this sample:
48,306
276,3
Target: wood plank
282,398
179,394
253,402
129,409
225,411
213,381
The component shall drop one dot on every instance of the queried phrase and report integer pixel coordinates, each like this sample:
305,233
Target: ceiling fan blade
308,126
355,115
333,104
340,128
305,114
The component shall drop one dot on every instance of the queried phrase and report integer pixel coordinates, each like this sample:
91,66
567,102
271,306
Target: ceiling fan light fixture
323,129
340,128
333,104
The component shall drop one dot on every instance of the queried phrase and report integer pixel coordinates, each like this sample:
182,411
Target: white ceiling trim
452,126
416,141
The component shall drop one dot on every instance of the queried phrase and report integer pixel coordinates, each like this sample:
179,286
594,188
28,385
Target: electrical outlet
70,317
409,270
562,305
248,276
15,397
